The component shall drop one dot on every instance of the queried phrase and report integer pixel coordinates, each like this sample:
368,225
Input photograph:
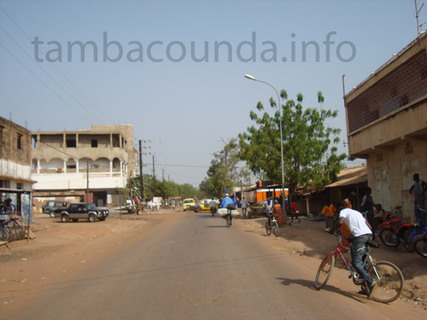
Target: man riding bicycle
230,204
362,234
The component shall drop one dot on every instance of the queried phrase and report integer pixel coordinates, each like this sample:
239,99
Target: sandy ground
62,249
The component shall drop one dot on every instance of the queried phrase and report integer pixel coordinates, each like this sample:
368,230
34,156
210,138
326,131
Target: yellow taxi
188,204
204,204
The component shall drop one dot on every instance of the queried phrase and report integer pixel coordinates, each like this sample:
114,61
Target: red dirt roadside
62,249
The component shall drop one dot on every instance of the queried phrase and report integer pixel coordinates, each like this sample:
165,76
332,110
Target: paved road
193,267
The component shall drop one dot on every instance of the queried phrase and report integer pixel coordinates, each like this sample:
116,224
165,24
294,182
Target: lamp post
248,76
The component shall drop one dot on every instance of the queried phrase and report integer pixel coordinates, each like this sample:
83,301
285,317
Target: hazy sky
175,69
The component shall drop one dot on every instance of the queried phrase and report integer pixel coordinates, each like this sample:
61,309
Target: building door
382,188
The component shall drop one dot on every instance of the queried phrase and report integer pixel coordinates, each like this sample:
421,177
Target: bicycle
272,225
388,276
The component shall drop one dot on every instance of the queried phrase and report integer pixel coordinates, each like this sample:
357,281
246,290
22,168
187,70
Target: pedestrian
361,235
329,213
367,206
419,188
349,199
244,205
294,213
278,211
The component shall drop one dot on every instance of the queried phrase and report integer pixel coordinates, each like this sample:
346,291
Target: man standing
329,213
244,205
361,232
419,187
368,205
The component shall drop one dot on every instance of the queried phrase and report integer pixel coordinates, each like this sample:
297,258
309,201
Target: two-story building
387,125
83,165
15,165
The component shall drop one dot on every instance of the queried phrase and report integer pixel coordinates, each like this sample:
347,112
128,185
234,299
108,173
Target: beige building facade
387,125
15,165
68,164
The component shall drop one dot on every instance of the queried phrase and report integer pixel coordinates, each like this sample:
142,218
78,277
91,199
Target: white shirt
356,222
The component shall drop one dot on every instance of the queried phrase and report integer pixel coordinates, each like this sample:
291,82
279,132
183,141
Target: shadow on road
310,284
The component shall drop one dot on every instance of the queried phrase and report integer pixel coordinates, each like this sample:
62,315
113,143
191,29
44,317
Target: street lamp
248,76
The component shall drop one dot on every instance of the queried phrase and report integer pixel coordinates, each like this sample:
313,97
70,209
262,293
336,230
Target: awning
350,176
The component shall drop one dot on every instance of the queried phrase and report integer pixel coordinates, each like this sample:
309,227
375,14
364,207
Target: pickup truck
87,211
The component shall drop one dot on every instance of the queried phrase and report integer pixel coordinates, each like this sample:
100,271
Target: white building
87,165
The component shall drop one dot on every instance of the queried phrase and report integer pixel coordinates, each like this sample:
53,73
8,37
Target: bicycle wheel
227,220
267,228
389,281
389,238
324,271
276,230
4,234
420,246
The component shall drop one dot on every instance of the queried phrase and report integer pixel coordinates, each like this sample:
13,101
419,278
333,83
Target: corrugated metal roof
349,176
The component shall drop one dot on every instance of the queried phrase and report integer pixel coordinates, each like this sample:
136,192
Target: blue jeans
357,251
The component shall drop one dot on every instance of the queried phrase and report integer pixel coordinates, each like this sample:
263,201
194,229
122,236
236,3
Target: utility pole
417,12
141,174
154,178
87,180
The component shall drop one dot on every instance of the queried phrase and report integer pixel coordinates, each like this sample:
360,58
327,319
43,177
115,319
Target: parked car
52,205
87,211
188,204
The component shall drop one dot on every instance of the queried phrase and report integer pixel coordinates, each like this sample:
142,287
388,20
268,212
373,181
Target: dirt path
61,250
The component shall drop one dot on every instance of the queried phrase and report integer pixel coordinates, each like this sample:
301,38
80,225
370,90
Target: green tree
309,146
224,171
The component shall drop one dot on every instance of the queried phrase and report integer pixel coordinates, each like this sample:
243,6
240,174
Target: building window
94,143
19,185
403,100
423,74
34,142
409,149
19,146
5,184
71,143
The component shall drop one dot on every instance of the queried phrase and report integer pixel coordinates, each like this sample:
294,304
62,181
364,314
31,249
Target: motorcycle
418,241
393,231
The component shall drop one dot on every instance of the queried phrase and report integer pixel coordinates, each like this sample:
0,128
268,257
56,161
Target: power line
44,71
58,70
41,81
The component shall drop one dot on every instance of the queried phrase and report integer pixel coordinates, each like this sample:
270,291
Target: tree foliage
224,171
309,146
157,188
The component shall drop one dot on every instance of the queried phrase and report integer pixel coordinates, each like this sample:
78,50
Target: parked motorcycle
393,231
419,242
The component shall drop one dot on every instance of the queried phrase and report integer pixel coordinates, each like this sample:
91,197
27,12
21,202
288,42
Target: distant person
269,209
419,188
367,206
229,204
329,213
243,205
294,213
278,211
212,206
349,200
